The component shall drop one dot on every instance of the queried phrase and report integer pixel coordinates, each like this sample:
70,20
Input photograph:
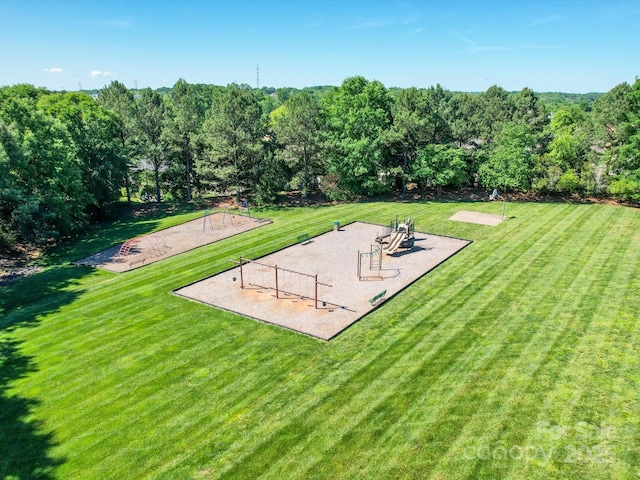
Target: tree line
65,155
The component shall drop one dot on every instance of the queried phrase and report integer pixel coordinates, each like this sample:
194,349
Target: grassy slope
517,358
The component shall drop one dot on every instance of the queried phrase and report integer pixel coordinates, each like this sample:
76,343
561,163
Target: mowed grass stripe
374,388
210,394
440,399
524,369
484,420
569,404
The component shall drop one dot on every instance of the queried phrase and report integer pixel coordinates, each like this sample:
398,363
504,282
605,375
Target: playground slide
394,243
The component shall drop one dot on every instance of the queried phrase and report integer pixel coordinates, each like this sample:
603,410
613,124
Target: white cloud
371,24
543,21
99,73
474,47
56,70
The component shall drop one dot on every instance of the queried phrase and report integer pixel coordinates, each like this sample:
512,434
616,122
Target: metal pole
316,277
241,277
277,281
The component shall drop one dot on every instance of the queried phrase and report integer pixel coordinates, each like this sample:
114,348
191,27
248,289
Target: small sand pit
166,243
477,217
333,257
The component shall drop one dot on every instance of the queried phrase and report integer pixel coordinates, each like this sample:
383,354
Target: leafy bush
626,189
568,182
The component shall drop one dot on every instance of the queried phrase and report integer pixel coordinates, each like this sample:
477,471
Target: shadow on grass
25,446
132,222
25,441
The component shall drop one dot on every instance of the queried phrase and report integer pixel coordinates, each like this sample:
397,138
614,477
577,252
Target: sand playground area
147,249
323,285
479,218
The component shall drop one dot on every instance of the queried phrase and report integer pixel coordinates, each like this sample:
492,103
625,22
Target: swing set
227,215
286,283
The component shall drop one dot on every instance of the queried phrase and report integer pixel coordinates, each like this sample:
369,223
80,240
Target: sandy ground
174,240
333,257
477,217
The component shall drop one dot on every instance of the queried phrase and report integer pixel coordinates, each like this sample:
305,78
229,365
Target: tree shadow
26,443
25,446
130,221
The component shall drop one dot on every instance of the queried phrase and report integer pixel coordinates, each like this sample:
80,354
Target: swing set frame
280,292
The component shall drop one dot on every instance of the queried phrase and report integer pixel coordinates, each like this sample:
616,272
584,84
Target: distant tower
79,86
258,77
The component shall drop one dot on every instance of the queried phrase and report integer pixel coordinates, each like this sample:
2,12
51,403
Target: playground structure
286,297
285,282
227,216
374,255
396,236
154,245
145,249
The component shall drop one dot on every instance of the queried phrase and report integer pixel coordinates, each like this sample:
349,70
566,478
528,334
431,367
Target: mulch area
173,241
333,257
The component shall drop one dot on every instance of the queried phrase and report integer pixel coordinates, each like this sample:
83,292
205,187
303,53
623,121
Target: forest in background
64,156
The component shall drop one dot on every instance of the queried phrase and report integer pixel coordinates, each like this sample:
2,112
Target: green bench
304,238
378,297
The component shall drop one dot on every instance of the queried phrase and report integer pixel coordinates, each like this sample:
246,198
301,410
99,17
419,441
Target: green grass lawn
517,358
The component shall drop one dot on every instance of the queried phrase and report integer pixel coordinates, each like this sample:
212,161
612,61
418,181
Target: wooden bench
304,238
378,297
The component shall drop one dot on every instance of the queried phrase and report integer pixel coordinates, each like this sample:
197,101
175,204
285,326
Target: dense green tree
42,194
411,128
511,161
438,100
609,117
95,132
271,174
566,160
530,110
626,164
496,110
296,126
185,124
233,134
464,116
151,139
440,166
357,115
117,98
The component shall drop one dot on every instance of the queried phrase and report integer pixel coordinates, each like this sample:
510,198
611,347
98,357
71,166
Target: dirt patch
479,218
166,243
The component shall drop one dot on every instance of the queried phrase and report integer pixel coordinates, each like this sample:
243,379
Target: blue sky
570,46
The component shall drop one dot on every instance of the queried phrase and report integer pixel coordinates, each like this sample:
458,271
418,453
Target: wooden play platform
342,296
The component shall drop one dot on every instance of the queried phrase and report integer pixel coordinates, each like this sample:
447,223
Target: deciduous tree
358,113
